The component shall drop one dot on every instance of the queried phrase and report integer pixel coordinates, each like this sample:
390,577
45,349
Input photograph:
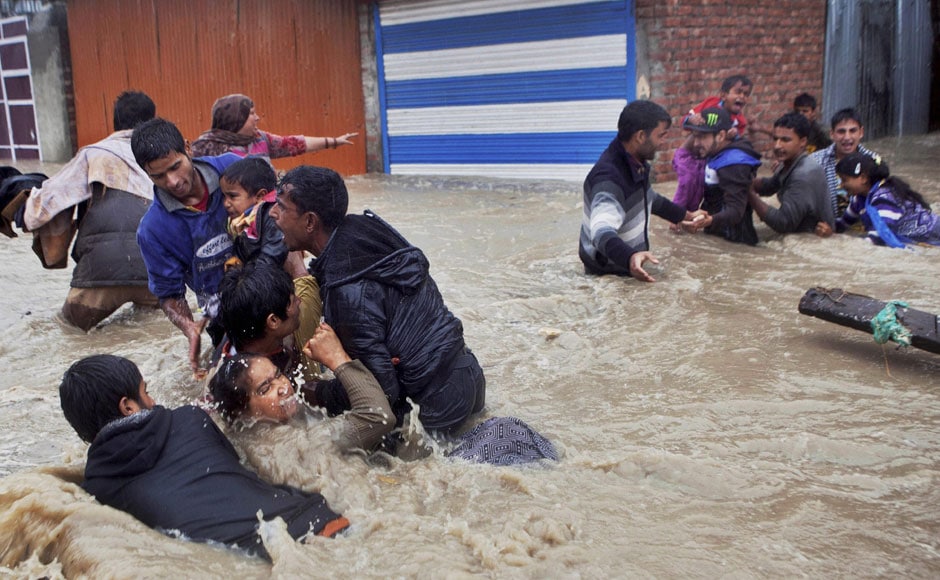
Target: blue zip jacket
182,247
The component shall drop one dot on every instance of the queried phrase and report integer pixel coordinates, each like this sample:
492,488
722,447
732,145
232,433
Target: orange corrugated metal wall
299,60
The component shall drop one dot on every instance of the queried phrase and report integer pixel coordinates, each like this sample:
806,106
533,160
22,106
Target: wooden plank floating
857,311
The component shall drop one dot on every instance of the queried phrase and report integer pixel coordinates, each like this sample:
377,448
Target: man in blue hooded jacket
380,298
183,237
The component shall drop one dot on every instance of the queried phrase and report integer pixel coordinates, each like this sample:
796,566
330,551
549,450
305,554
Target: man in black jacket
380,298
730,167
174,470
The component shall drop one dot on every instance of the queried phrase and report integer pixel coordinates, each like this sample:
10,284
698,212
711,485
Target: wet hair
804,100
228,389
800,124
155,139
640,116
252,173
92,389
847,114
728,83
856,164
248,295
318,190
131,108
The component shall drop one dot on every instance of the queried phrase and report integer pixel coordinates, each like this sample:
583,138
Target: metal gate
527,89
878,60
19,138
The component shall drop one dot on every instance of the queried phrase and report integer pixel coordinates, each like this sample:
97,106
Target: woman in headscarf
235,130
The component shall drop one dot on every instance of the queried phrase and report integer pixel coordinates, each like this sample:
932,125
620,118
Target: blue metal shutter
525,89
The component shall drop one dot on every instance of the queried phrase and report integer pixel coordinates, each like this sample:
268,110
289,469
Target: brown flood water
708,429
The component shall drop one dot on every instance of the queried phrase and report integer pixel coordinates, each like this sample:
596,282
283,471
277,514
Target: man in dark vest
102,193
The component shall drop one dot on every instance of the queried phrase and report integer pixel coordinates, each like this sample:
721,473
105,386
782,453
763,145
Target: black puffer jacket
387,311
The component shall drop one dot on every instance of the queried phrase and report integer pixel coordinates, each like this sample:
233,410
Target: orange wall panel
299,60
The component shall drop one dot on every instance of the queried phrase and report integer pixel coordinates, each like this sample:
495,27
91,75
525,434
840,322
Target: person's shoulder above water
219,162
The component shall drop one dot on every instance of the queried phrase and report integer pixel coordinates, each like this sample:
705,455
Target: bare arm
320,143
177,310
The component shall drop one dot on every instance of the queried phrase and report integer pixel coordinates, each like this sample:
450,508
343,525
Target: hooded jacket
182,247
175,470
387,311
728,178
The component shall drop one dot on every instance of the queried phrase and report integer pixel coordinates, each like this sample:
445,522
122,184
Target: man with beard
618,199
729,172
846,133
799,183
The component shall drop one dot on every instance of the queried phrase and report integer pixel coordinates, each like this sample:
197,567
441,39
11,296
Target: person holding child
688,165
731,164
893,214
235,130
182,237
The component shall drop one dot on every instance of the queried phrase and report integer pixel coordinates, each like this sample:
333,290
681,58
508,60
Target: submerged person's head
250,386
100,389
258,301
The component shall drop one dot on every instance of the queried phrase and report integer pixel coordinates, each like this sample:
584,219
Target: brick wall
685,49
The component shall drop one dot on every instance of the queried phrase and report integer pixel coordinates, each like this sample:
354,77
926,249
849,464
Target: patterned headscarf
230,112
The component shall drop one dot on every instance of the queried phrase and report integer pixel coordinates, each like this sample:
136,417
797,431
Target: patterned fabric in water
504,441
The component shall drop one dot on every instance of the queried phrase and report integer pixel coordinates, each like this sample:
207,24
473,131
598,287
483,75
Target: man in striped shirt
847,132
618,200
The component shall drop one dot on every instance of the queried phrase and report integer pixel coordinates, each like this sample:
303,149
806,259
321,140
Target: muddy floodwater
707,429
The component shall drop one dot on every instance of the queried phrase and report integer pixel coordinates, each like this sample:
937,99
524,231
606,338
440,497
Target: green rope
885,325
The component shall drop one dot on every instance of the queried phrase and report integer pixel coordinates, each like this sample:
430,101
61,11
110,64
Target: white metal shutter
525,89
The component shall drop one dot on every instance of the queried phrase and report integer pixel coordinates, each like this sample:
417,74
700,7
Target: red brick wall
685,49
